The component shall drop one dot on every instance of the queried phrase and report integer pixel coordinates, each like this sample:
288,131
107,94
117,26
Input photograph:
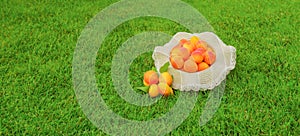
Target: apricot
164,89
201,44
197,57
171,90
150,77
190,66
176,47
181,51
165,77
183,41
153,91
202,66
190,47
177,62
201,51
209,57
194,40
168,92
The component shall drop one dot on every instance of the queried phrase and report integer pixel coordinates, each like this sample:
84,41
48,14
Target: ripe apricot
168,92
209,57
197,57
164,89
190,47
181,51
201,51
171,90
194,40
150,77
201,44
177,62
190,66
202,66
153,91
183,41
176,47
165,78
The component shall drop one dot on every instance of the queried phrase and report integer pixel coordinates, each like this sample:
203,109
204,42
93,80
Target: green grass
38,40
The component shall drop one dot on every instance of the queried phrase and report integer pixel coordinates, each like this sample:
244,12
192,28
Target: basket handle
230,51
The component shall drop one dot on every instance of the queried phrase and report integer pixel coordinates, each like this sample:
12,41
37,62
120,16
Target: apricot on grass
165,77
164,89
153,91
168,92
150,77
190,66
202,66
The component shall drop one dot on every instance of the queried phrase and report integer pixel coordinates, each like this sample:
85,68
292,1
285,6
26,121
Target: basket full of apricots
189,62
192,55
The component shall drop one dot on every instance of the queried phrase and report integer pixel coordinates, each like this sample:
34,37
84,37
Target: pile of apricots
192,55
158,84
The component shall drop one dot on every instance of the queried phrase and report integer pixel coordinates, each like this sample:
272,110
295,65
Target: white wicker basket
203,80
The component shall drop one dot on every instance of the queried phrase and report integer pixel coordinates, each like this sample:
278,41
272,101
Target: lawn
38,40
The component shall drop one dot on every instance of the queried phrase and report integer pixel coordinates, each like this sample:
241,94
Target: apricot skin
194,40
190,66
202,66
197,57
177,62
150,77
165,78
190,47
209,57
201,44
153,91
164,89
181,51
183,41
200,50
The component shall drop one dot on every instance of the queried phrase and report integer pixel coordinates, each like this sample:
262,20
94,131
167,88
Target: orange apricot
190,66
153,91
176,47
201,44
209,57
200,50
171,90
168,92
165,77
181,51
197,56
183,41
164,89
177,62
150,77
202,66
194,40
190,47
